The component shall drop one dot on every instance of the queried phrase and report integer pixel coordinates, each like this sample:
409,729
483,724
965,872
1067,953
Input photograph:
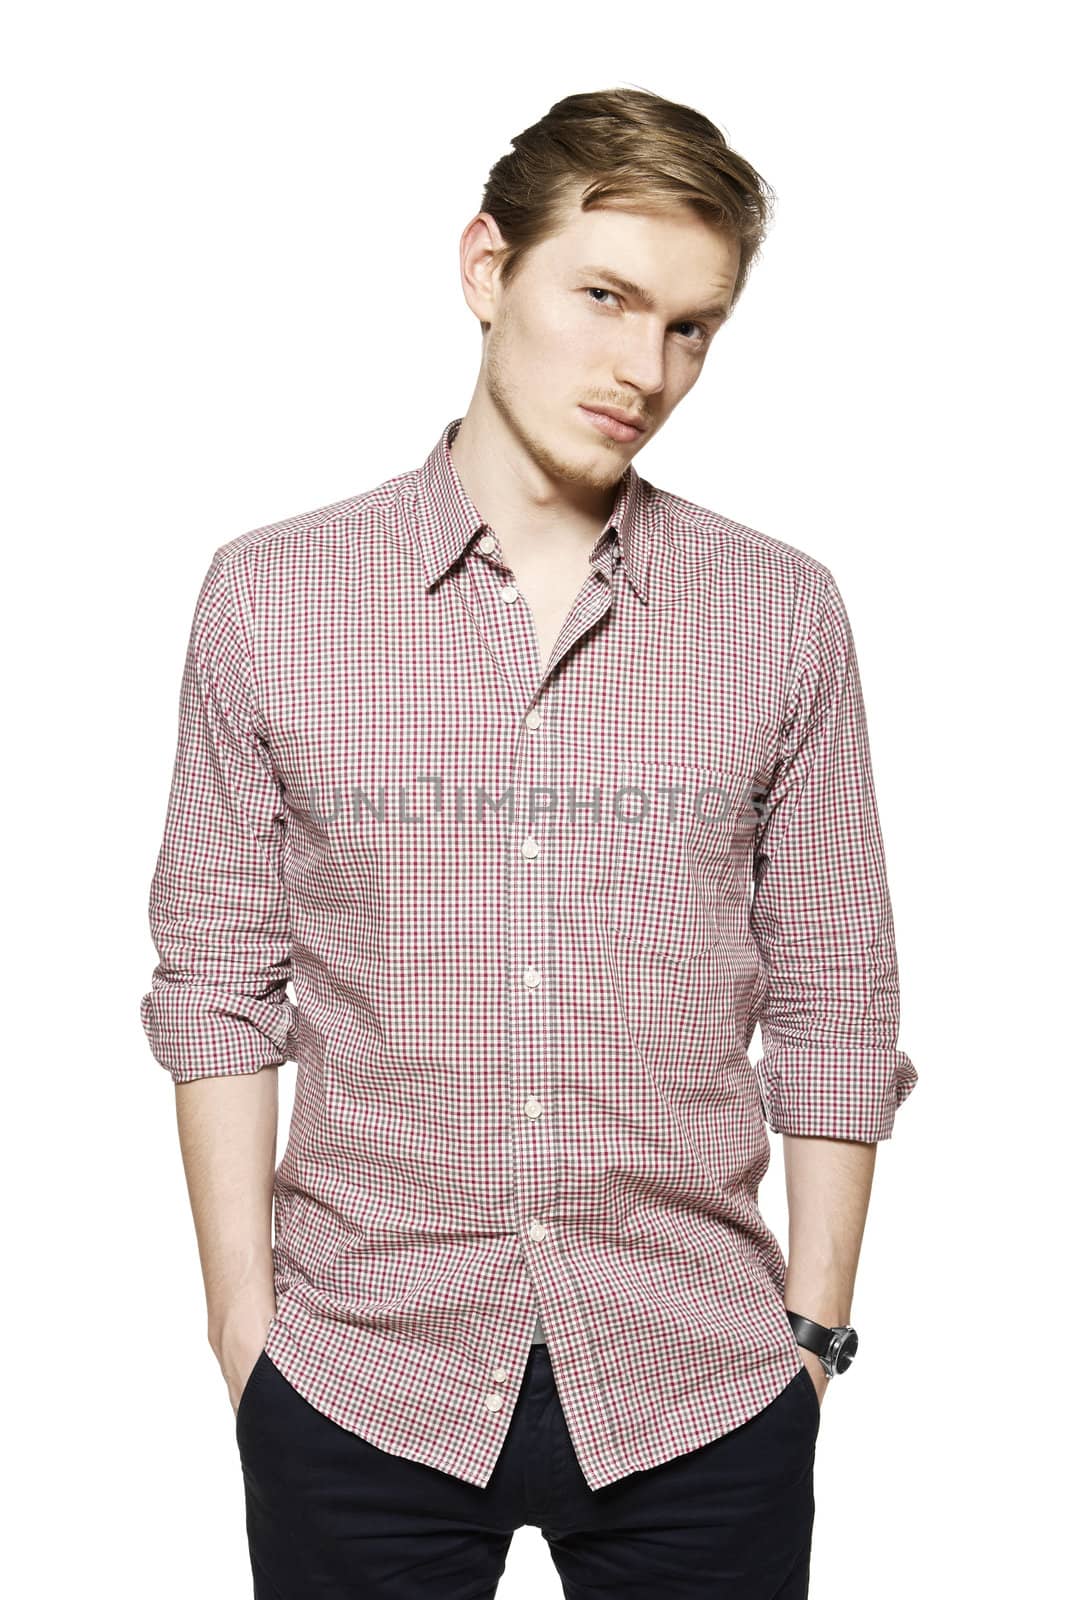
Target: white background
232,294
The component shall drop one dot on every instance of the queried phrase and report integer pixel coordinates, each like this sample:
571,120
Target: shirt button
530,848
533,719
536,1230
531,977
493,1402
500,1374
508,593
487,543
532,1107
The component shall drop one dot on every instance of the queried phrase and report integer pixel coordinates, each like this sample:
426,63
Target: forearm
828,1183
227,1132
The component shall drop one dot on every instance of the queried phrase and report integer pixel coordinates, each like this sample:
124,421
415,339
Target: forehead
672,258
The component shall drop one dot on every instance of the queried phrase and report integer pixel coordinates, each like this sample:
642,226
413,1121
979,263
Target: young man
543,786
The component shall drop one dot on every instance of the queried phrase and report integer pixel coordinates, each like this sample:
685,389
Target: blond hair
627,147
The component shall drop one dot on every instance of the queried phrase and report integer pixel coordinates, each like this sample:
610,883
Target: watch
836,1347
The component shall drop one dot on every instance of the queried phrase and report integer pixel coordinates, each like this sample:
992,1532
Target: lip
612,423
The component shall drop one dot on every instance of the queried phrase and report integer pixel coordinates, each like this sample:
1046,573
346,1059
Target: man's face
564,336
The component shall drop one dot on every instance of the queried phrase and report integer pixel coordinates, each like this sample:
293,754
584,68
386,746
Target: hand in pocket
239,1359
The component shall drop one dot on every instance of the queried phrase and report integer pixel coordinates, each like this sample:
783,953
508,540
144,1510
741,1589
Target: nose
640,369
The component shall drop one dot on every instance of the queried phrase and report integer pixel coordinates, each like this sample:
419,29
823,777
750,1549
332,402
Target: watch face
846,1353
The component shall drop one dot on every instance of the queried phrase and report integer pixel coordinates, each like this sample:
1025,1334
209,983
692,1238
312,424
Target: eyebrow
717,308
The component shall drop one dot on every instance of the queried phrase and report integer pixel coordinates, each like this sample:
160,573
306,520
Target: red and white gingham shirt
531,920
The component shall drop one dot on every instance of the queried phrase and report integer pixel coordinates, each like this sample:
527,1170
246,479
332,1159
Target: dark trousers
331,1517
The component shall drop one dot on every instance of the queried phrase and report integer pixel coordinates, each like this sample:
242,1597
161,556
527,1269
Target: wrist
834,1345
240,1316
820,1302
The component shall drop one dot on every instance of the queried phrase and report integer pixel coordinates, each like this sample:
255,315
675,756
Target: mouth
612,427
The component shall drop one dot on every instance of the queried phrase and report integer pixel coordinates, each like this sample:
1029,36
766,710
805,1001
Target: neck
532,511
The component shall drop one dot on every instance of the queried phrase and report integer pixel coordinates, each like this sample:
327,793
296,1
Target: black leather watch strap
811,1335
835,1347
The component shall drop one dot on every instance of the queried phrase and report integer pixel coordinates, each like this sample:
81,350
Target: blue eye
703,334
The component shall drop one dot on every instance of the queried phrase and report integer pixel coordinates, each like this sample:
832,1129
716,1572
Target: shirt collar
444,520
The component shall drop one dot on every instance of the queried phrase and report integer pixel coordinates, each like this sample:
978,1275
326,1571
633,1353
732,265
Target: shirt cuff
834,1092
198,1033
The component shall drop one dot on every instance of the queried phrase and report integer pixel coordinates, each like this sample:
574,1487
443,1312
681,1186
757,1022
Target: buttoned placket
508,627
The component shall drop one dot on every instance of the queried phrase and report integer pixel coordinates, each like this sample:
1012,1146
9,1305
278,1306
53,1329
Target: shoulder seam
320,519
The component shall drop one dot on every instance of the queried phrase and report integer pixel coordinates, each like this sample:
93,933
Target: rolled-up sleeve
821,914
217,907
